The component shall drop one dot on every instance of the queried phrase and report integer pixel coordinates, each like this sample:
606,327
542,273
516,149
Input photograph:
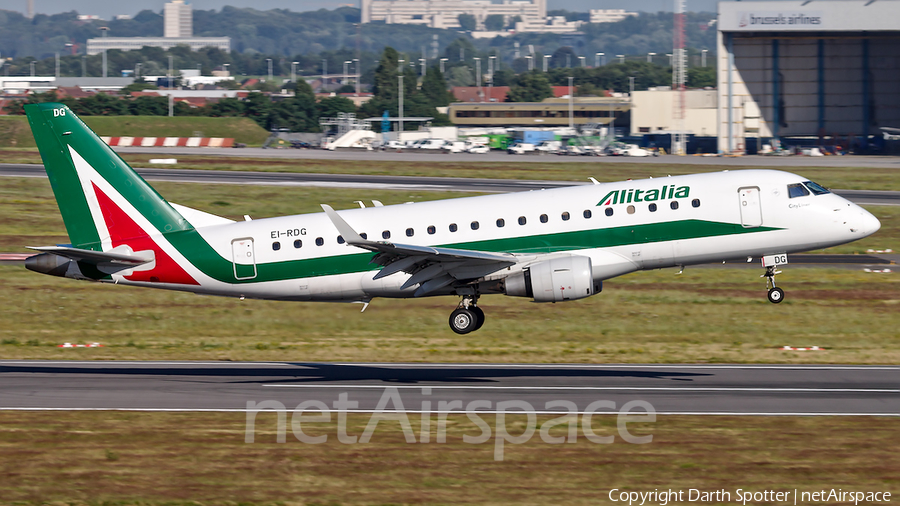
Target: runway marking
666,389
461,412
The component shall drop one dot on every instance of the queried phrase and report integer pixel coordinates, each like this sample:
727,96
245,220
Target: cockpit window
816,188
797,190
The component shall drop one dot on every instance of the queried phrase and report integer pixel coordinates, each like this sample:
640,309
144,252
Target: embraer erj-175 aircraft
548,245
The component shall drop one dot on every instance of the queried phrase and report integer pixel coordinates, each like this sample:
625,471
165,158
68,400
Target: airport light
226,68
670,58
400,96
597,59
571,105
581,58
269,64
621,58
703,57
32,68
356,76
442,64
530,62
169,79
478,77
346,67
422,64
57,64
137,70
545,61
650,57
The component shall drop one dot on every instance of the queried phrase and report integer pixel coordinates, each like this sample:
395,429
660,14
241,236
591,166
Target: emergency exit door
244,258
751,213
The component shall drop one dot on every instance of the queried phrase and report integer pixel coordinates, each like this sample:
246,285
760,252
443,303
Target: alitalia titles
667,192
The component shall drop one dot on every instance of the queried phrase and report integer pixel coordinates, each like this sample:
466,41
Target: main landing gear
775,294
467,317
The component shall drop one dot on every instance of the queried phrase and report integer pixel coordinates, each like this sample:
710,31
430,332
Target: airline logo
666,192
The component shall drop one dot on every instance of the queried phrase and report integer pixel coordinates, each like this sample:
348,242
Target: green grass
15,133
704,315
156,459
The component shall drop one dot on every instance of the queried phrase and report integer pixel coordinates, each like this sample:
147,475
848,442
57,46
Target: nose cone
870,223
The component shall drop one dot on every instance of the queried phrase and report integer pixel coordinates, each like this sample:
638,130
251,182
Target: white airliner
548,245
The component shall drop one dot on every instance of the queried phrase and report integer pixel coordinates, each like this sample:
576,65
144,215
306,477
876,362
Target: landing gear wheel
776,295
479,314
463,320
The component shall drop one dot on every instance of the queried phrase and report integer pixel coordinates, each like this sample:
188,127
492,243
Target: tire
463,321
478,314
776,295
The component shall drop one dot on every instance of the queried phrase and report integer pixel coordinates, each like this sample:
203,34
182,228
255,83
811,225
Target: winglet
345,230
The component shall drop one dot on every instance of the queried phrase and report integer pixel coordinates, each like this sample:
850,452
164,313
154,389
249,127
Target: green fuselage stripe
199,253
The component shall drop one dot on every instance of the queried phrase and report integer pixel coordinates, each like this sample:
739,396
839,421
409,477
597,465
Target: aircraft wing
94,257
431,267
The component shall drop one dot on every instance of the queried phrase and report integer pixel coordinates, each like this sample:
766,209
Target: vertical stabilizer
101,198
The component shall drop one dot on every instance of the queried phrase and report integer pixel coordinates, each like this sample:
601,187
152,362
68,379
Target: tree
563,57
493,23
257,107
512,22
435,88
227,107
149,106
701,77
461,47
385,86
467,22
460,76
530,87
329,107
137,86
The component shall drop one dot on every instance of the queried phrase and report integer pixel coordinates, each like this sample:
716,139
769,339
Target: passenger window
609,211
817,189
475,225
797,190
695,202
364,235
544,218
431,230
522,220
410,232
453,227
298,244
386,234
565,216
501,223
674,205
319,241
340,239
630,209
652,208
587,213
276,246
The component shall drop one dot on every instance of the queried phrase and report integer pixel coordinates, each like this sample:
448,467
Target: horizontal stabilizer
94,257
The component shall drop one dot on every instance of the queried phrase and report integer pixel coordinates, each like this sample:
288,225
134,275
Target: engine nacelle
557,279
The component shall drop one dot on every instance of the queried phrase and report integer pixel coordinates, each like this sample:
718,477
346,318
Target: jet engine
554,280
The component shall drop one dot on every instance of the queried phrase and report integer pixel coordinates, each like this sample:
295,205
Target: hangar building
820,69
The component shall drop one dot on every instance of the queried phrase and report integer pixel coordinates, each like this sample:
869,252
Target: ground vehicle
520,148
454,147
478,148
549,147
432,144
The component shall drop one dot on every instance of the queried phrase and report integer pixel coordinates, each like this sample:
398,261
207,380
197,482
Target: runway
671,389
426,156
478,185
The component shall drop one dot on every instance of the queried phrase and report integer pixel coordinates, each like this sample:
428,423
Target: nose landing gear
775,294
467,317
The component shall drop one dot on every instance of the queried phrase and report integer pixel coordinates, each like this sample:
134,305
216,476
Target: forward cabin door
244,258
751,212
